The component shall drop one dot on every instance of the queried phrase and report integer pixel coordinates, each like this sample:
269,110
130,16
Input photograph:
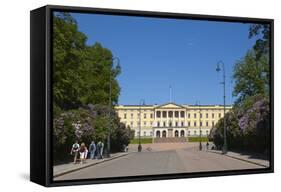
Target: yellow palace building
170,119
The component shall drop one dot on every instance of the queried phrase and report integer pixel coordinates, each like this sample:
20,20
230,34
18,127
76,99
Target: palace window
176,124
182,114
207,123
213,124
219,115
158,114
164,124
132,115
164,114
182,124
207,115
170,124
170,113
188,123
188,133
194,115
158,124
194,124
195,133
164,133
176,114
176,133
188,116
200,123
182,133
151,115
144,116
132,123
158,133
125,116
200,115
213,115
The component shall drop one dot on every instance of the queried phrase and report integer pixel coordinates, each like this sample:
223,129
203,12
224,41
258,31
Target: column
185,114
173,117
161,118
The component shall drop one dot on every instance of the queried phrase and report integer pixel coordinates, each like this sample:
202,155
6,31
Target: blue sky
158,53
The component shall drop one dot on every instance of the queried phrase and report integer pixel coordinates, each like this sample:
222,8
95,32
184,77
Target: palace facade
170,119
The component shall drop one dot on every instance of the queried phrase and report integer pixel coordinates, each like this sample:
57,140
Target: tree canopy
248,124
82,77
251,74
81,72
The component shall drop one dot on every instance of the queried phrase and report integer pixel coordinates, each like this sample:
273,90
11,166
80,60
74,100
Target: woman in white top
83,152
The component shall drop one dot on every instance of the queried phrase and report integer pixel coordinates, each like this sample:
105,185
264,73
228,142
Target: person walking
101,149
74,151
92,149
83,152
98,150
100,146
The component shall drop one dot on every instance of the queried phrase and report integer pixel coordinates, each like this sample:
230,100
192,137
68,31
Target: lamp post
200,132
220,66
109,104
141,103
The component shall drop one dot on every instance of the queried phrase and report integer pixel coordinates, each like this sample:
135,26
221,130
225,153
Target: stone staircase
169,140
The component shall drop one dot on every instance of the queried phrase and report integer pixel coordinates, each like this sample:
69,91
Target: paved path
70,167
262,160
178,160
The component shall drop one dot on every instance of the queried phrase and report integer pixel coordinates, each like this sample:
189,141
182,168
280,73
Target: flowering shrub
85,124
250,118
247,126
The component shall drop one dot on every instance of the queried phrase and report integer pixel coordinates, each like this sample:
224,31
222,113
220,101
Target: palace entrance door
170,132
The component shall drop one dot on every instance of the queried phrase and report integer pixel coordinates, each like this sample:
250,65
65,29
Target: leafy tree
248,123
81,73
262,43
98,73
234,134
251,76
68,51
252,73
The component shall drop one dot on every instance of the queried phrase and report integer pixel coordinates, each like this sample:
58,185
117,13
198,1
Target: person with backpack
92,149
74,151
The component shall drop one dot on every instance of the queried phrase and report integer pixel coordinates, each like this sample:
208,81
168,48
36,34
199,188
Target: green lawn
149,140
197,139
143,140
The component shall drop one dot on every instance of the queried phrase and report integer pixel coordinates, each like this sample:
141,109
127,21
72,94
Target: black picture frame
41,170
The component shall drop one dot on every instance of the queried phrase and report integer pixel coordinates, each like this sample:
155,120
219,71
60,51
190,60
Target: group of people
95,151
